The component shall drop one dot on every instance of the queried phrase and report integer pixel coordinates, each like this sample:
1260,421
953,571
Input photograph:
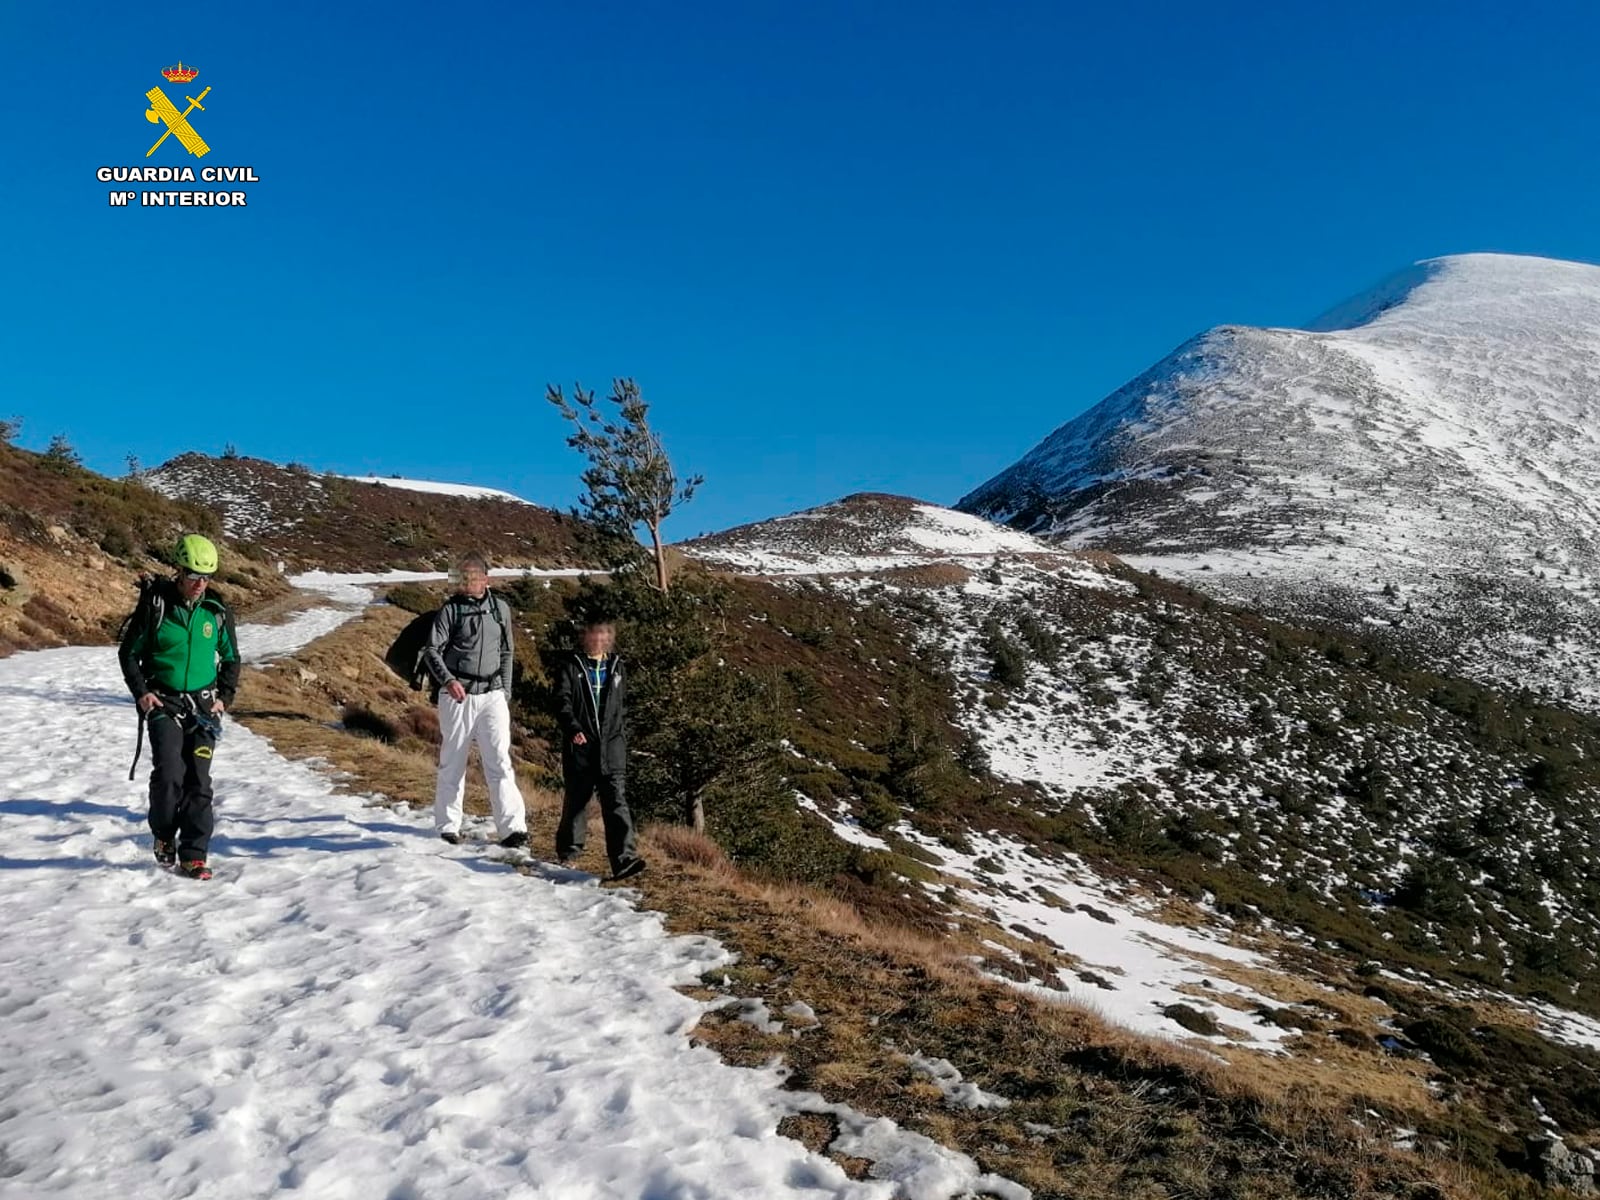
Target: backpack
404,656
150,604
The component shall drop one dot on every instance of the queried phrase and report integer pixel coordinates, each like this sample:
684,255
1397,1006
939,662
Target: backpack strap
494,607
493,597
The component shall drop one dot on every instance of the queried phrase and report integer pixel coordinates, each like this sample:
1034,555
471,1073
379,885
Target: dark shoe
453,838
166,853
628,869
196,869
514,841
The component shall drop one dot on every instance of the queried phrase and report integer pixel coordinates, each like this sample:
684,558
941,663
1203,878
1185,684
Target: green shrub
1448,1042
885,869
877,811
1008,668
414,598
116,542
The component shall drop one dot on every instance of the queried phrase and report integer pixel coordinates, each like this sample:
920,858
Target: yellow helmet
196,554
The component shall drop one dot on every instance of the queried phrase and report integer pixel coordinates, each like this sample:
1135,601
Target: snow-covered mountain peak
1435,438
1472,294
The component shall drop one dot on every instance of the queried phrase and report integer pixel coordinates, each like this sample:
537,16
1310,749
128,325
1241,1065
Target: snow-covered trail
351,1009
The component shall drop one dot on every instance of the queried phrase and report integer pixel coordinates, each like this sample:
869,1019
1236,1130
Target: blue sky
842,245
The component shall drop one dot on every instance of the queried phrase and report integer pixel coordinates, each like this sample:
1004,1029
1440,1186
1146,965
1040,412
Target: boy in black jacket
591,701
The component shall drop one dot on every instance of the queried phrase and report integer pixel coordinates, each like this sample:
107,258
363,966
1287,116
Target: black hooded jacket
606,749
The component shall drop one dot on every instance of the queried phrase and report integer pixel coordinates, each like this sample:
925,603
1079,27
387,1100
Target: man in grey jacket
469,655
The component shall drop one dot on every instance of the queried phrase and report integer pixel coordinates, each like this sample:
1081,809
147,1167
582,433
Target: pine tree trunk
661,556
697,814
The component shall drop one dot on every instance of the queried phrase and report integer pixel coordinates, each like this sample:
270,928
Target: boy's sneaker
514,841
166,852
453,838
196,869
628,869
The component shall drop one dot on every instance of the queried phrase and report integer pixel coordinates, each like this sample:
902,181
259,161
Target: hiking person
180,660
469,655
591,707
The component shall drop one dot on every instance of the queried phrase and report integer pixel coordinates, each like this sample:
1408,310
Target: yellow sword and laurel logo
164,111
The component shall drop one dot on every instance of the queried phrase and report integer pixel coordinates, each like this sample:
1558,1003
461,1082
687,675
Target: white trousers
486,720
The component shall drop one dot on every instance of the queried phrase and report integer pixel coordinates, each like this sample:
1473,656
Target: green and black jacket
171,648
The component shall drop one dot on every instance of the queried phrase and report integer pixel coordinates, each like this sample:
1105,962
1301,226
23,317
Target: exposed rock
1556,1166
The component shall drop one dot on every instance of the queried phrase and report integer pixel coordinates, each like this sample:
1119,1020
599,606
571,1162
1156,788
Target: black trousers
571,833
180,784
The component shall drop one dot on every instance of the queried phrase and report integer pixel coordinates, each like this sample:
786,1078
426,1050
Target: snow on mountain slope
1292,779
339,523
1424,459
863,532
467,490
351,1009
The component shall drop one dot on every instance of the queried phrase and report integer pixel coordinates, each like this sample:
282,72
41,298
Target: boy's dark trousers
571,832
180,784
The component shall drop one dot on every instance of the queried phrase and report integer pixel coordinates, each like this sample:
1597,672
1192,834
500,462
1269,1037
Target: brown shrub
682,844
366,723
421,722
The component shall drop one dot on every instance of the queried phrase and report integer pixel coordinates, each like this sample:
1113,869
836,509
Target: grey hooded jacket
471,642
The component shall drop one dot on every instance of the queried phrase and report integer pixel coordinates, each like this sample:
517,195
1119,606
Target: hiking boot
627,869
515,840
166,852
196,869
453,838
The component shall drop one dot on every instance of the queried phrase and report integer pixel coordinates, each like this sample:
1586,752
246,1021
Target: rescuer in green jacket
180,660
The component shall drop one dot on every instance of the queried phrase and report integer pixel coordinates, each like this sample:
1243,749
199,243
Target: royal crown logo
163,112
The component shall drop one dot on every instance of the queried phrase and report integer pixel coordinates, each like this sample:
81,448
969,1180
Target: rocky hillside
1423,461
73,542
308,520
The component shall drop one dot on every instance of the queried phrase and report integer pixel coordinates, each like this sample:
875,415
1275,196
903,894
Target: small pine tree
10,430
60,456
135,468
230,451
630,480
1007,664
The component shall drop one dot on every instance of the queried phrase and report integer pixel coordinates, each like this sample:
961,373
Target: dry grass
1127,1115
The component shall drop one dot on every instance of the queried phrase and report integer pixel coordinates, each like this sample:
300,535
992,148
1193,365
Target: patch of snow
1149,964
955,1090
467,490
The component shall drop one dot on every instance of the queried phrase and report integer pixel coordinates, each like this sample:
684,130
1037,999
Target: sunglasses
191,576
